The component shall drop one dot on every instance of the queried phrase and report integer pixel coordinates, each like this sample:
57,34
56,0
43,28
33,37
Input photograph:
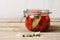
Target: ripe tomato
43,24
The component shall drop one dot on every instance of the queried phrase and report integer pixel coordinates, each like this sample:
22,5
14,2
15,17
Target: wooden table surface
12,29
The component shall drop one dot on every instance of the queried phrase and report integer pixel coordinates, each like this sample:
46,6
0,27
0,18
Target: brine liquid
43,24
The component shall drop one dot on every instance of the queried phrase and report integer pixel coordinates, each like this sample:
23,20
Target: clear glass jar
37,20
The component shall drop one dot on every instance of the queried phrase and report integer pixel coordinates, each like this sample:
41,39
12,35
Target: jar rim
41,12
37,10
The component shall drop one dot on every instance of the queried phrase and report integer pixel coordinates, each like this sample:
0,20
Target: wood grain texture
12,29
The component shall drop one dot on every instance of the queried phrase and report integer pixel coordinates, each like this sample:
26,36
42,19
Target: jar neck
39,13
36,12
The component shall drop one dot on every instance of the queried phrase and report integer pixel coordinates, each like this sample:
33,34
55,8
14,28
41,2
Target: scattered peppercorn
23,35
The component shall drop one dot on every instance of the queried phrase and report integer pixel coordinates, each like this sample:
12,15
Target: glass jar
37,20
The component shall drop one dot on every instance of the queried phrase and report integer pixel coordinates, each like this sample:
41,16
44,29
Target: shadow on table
54,29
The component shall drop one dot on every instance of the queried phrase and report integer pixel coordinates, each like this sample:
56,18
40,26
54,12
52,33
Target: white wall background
14,8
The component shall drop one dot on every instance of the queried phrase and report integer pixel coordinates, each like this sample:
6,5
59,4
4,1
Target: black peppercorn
29,36
23,35
33,34
38,35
